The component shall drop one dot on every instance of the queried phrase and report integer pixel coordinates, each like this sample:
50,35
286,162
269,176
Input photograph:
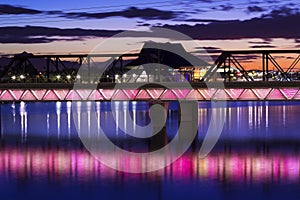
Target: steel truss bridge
286,89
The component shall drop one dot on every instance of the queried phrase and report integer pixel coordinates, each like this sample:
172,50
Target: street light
22,76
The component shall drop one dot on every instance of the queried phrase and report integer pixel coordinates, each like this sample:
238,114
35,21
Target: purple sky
61,26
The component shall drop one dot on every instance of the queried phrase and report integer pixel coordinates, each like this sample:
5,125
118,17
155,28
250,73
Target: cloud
226,7
24,40
287,26
262,46
273,25
252,9
36,34
202,20
208,49
143,24
283,11
132,12
16,10
246,58
260,42
290,58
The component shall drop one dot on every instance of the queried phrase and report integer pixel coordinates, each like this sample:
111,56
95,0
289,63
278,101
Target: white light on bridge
58,77
68,76
13,77
22,76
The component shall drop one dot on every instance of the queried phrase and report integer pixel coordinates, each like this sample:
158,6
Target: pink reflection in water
55,163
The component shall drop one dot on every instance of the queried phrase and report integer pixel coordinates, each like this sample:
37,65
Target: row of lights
124,75
68,77
14,77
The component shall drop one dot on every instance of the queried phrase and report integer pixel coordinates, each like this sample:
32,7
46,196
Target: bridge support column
188,121
159,138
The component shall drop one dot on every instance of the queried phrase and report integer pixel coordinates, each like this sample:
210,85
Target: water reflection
244,120
254,159
23,114
76,163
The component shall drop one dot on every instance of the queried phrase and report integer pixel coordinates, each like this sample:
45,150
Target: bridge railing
26,68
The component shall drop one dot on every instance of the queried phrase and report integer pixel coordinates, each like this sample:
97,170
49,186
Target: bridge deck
175,91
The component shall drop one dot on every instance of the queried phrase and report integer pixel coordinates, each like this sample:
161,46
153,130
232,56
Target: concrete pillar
188,122
159,138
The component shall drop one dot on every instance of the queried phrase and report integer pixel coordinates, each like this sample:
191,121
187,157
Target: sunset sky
78,26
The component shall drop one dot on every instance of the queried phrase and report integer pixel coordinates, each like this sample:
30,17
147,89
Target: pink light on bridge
150,94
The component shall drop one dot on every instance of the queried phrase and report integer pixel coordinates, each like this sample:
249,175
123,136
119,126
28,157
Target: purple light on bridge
150,94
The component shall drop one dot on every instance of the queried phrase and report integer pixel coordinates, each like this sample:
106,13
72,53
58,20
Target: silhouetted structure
26,67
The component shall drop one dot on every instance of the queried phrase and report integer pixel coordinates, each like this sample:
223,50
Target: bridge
17,84
107,92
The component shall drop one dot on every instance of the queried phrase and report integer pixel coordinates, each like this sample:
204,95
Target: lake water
256,157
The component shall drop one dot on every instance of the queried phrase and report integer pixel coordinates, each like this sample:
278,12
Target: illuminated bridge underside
150,94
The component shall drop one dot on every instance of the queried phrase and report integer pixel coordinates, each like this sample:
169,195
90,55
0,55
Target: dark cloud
16,10
36,34
32,40
262,46
275,27
255,2
260,42
207,1
290,58
202,20
208,49
132,12
252,9
143,24
226,7
24,40
246,58
239,58
282,12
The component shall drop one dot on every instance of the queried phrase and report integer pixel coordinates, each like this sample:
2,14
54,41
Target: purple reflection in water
77,164
257,156
63,169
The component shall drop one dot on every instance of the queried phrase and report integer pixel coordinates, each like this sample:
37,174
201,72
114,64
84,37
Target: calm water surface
257,156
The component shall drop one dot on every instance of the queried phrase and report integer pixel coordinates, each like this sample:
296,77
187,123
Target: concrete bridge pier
158,114
188,122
